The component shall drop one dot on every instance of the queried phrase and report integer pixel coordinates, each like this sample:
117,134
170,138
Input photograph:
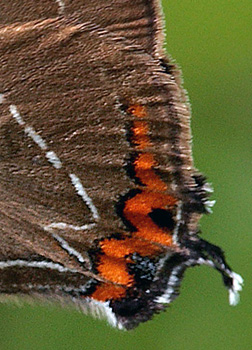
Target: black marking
140,303
143,269
129,307
120,205
207,251
166,67
130,133
130,169
200,180
94,254
196,196
124,106
119,236
163,218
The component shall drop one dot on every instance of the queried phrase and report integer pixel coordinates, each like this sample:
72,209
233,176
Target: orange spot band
148,236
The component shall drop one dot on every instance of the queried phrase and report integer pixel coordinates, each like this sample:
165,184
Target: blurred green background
211,41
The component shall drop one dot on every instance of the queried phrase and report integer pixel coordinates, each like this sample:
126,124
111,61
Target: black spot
163,218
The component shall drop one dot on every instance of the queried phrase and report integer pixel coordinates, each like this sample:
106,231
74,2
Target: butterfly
100,200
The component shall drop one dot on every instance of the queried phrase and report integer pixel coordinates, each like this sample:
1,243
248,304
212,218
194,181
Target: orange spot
114,270
107,291
140,131
120,248
146,201
148,177
144,161
136,210
137,111
140,128
153,233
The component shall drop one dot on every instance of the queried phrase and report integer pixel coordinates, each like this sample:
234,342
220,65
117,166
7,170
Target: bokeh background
211,41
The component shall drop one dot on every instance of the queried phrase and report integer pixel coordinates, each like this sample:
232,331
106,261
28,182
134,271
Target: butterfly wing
63,133
99,196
